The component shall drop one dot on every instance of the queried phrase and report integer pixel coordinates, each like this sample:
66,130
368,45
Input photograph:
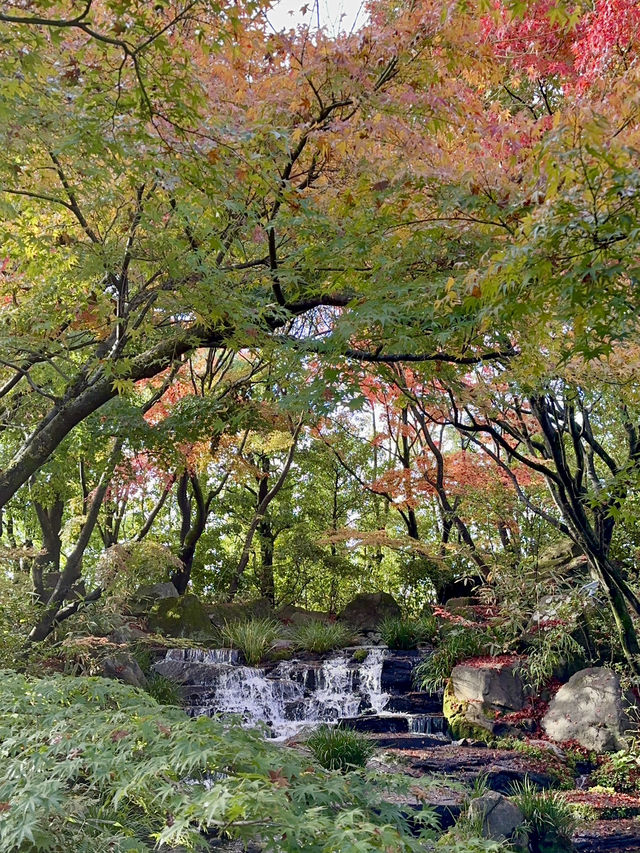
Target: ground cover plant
89,762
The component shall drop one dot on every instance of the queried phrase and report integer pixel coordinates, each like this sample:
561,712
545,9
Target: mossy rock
180,617
260,608
455,713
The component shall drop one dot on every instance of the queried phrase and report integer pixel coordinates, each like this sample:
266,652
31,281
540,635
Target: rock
126,634
495,687
261,608
460,725
397,670
123,667
562,559
184,616
592,709
500,818
147,595
368,609
461,606
292,615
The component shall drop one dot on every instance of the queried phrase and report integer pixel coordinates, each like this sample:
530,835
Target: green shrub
340,749
549,819
163,690
407,633
620,771
458,644
360,655
89,764
322,637
551,648
254,638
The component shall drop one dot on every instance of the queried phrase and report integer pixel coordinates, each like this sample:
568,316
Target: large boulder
144,598
494,686
260,608
592,709
292,615
476,691
123,667
368,609
499,818
184,616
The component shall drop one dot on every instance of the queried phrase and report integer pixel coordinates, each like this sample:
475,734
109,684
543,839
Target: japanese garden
319,426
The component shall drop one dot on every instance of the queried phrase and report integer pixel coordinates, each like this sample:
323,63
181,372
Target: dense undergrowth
90,764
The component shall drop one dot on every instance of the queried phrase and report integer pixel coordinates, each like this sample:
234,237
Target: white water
293,695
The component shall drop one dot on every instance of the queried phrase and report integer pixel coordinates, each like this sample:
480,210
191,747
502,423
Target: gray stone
369,609
146,596
498,688
260,608
299,616
499,816
126,634
592,709
123,667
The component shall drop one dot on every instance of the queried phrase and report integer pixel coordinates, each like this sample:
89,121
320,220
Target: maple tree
448,187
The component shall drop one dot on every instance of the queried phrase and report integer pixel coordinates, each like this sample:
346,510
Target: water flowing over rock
286,696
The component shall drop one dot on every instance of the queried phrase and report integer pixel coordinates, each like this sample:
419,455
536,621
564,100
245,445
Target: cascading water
288,697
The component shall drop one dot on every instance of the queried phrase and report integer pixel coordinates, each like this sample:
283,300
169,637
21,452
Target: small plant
620,771
254,638
548,819
551,648
163,690
360,655
340,749
458,644
322,637
407,633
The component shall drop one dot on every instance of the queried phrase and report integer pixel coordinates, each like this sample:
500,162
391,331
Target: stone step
397,723
608,836
409,741
397,670
416,702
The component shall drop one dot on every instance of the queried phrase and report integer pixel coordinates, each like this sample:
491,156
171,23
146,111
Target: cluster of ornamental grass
337,748
320,637
407,633
254,638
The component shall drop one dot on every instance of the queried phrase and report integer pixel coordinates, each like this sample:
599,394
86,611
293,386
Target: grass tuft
340,749
254,638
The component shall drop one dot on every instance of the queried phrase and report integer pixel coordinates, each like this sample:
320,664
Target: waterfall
292,695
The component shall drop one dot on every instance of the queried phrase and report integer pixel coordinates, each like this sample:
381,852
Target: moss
180,617
360,655
455,712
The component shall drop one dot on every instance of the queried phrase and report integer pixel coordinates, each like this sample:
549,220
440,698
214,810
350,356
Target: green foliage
89,764
163,690
407,633
549,819
317,636
17,615
254,638
341,749
457,644
124,567
360,655
620,771
551,649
